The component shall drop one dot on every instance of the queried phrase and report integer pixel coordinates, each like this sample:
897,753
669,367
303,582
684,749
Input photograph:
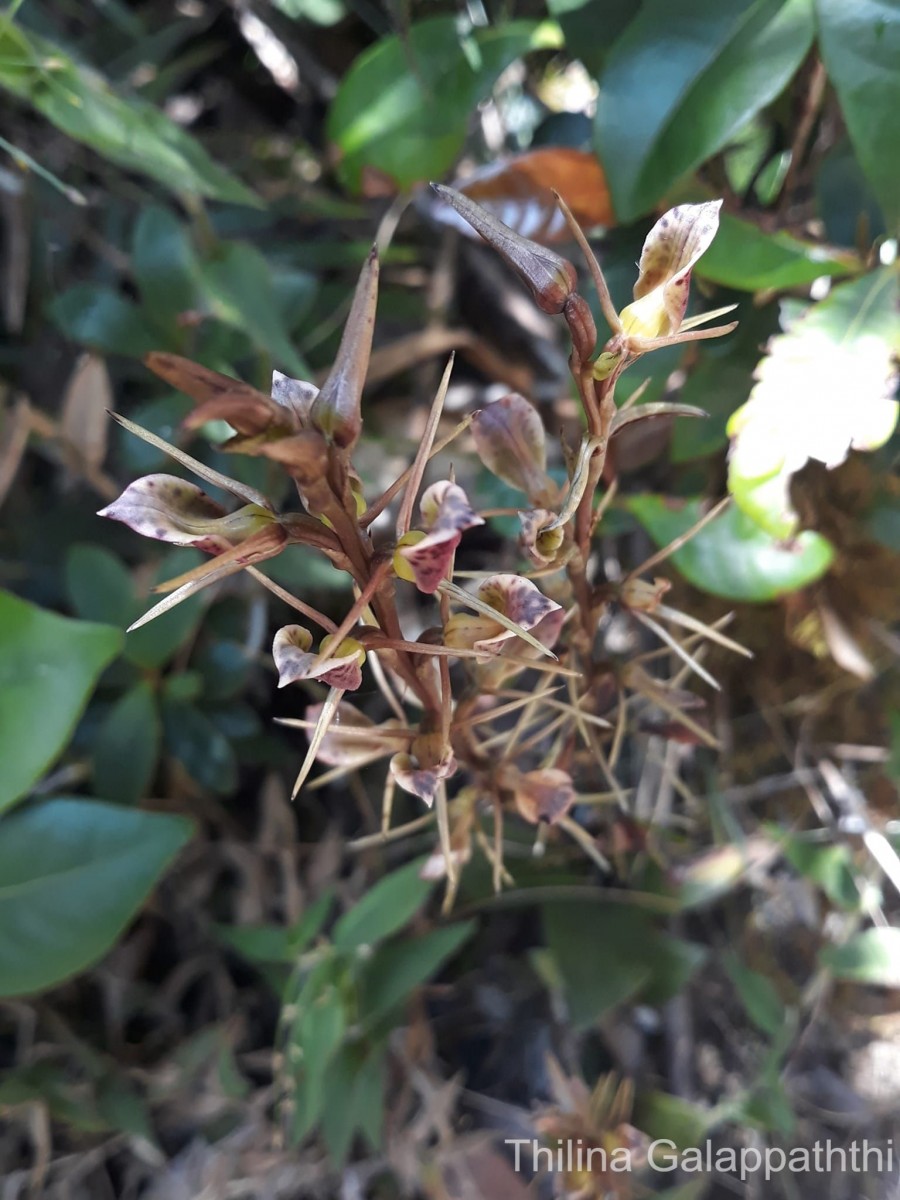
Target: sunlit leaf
124,129
403,108
825,387
872,957
732,556
744,257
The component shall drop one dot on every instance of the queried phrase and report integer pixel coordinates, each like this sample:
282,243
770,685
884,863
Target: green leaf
126,747
683,79
99,317
99,585
828,866
590,27
396,970
154,644
870,957
204,752
277,943
239,290
757,993
318,1033
732,557
74,873
614,957
126,130
826,386
165,265
860,46
744,257
404,106
353,1099
845,200
48,667
384,909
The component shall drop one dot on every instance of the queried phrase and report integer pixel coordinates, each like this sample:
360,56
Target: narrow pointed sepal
337,410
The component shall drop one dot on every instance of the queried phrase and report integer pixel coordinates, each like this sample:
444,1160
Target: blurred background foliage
288,1014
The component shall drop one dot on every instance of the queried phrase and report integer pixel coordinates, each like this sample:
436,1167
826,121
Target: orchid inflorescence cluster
529,749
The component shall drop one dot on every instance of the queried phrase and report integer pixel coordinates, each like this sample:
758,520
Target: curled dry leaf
83,421
519,192
509,438
172,510
522,603
339,667
424,558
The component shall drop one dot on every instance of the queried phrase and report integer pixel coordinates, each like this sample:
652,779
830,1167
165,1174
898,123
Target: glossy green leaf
590,28
74,872
860,45
732,557
872,957
404,106
126,747
683,79
124,129
384,909
97,316
744,257
398,969
48,667
826,386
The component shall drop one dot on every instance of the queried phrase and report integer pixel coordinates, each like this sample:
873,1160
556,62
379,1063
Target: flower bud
336,411
551,278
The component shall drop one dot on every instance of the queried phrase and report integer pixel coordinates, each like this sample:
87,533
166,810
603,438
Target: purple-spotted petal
422,769
295,659
671,250
170,510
